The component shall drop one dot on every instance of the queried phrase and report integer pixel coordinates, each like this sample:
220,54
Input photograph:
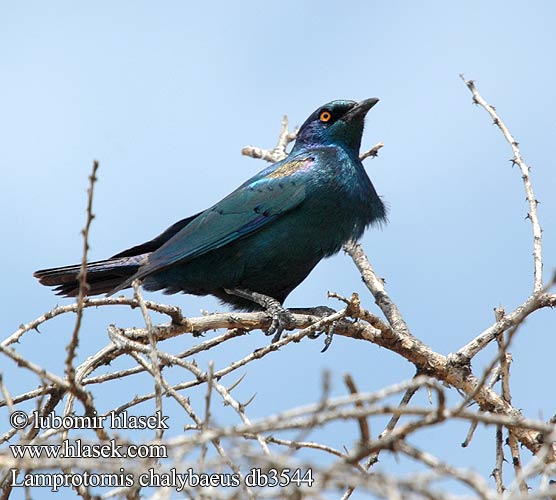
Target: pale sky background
166,94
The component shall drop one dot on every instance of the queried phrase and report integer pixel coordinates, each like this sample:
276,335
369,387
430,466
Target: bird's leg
281,317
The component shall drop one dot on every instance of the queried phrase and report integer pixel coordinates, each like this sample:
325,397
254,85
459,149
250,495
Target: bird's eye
325,116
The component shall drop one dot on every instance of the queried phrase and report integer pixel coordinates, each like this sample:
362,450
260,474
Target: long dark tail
102,276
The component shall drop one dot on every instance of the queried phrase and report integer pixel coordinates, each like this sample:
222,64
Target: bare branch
373,152
279,152
525,175
82,277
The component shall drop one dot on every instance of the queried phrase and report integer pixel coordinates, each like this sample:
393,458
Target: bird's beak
360,109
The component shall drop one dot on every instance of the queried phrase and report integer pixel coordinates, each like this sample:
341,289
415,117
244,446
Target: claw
329,334
315,335
329,330
282,318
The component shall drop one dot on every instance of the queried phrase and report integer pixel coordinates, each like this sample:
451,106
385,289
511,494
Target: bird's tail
102,276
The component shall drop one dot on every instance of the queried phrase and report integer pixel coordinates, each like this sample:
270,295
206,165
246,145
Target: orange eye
325,116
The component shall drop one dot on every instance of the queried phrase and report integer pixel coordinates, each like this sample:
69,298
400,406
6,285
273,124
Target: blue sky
166,95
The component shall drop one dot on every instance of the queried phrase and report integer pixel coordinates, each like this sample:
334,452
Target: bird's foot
329,331
321,311
282,318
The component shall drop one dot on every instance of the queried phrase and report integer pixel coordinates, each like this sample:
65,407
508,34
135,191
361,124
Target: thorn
249,401
236,383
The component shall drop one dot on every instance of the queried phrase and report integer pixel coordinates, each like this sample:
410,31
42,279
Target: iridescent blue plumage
268,234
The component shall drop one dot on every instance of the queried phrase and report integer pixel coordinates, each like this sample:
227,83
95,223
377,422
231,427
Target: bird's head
337,123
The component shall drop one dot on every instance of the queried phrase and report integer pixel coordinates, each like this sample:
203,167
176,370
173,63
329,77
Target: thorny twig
525,175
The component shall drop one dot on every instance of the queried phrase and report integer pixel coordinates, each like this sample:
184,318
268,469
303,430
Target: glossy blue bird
255,246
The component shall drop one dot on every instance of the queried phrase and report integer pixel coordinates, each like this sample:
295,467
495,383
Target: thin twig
82,277
371,153
365,433
376,287
153,353
279,151
526,177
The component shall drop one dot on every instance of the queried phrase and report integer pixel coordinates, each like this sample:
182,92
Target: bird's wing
253,205
156,243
